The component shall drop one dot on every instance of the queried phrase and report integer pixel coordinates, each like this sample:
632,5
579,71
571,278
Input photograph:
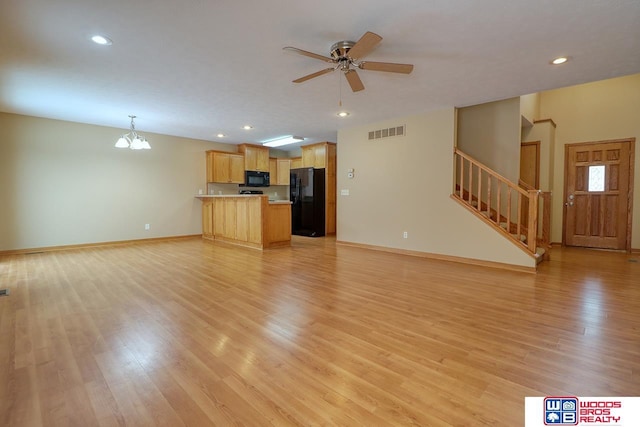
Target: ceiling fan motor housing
340,50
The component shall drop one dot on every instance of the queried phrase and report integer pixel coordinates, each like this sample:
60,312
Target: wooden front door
598,187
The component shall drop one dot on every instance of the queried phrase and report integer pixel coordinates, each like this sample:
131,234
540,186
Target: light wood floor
192,333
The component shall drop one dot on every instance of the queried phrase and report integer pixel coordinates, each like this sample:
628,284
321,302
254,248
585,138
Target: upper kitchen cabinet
315,155
279,171
273,169
283,169
256,157
296,162
223,167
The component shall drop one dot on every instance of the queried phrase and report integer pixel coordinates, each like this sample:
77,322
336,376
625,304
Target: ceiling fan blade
309,54
316,74
363,46
354,80
389,67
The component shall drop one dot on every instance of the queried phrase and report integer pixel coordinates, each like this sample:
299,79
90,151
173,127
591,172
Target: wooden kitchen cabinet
273,169
279,170
315,155
296,162
207,219
256,157
225,167
283,169
250,221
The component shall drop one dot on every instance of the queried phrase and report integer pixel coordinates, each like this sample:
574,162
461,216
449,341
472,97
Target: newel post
532,232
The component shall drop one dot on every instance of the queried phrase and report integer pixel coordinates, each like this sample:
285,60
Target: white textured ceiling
195,68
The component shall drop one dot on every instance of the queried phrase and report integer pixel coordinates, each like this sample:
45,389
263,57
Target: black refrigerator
307,202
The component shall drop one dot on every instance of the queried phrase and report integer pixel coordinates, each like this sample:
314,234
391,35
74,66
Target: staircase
519,212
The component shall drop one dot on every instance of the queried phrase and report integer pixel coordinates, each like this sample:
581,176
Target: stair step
474,203
523,238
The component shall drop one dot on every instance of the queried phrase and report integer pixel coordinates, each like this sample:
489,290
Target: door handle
570,200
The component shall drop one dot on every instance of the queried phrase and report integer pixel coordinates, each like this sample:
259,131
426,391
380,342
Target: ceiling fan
346,55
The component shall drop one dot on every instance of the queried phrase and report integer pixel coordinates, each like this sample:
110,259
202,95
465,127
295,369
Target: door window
596,178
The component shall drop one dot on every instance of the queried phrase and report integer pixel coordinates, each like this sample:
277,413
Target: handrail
526,186
489,170
480,189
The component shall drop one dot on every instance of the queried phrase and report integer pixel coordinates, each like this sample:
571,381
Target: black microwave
256,179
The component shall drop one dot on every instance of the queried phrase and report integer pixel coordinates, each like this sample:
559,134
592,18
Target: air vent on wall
387,133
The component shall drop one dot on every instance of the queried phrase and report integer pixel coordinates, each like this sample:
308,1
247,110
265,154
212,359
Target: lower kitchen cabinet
246,220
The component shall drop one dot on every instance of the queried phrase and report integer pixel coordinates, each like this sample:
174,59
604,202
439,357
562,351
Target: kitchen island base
246,220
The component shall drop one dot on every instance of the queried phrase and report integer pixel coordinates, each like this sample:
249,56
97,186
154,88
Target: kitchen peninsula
246,220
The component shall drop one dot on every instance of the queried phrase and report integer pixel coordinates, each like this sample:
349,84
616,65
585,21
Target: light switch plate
344,192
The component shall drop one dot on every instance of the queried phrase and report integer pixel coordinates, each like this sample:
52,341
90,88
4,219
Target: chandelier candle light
133,140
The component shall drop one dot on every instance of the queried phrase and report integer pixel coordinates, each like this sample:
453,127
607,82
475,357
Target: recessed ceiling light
221,135
560,60
343,114
247,127
98,39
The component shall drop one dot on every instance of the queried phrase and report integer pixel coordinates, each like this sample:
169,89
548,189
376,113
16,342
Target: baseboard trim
96,245
440,257
633,250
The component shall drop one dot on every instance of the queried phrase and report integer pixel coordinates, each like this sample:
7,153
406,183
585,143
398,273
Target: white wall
404,184
64,183
598,111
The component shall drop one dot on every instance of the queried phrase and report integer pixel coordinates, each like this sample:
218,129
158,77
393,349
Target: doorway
598,193
529,173
530,164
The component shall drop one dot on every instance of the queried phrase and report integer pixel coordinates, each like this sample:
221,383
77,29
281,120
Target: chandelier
133,140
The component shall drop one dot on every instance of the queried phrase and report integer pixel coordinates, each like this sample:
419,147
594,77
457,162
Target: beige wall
490,133
404,184
543,132
598,111
64,183
530,108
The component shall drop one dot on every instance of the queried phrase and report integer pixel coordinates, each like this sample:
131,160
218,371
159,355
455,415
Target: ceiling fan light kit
345,56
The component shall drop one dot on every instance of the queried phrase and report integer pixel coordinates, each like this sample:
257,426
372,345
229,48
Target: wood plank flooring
196,334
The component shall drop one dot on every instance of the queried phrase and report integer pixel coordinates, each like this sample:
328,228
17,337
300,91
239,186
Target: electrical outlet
147,226
405,235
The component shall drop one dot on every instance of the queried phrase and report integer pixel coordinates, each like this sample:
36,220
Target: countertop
210,196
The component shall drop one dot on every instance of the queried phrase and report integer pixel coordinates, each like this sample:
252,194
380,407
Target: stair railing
544,228
511,209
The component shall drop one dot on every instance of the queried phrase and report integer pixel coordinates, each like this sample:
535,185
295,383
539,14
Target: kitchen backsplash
275,192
